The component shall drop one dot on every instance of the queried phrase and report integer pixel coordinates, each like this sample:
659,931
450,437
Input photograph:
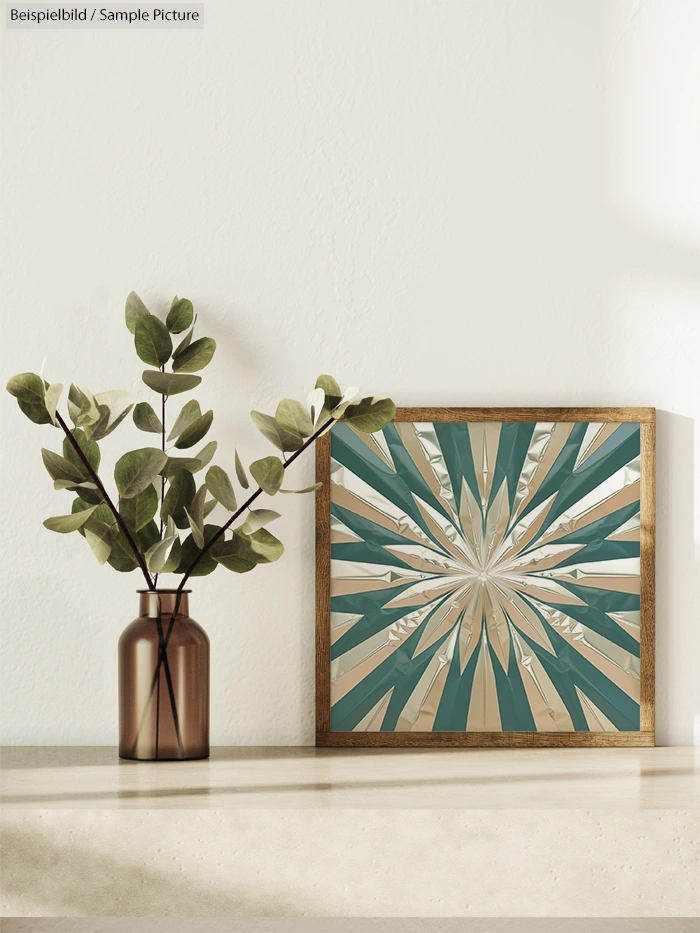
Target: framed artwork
485,576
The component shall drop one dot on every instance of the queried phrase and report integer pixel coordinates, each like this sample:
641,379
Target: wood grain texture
648,576
644,738
485,739
323,585
641,415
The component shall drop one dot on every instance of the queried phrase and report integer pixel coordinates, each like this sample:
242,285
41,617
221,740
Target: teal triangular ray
457,452
409,472
513,445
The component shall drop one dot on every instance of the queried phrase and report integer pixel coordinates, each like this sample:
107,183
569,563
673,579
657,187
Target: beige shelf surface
299,832
300,778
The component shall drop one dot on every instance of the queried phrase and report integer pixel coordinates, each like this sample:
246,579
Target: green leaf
194,357
196,516
157,555
82,407
100,543
209,507
175,464
146,419
180,315
333,395
152,341
173,561
195,432
268,473
316,399
64,524
370,414
178,498
134,310
299,491
240,472
60,468
275,434
330,387
190,552
113,406
219,485
235,554
266,546
79,505
169,383
137,469
186,341
52,398
205,454
147,537
138,510
89,448
188,415
121,557
257,518
100,519
291,416
29,390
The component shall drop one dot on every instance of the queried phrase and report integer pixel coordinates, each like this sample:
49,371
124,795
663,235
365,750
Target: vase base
163,758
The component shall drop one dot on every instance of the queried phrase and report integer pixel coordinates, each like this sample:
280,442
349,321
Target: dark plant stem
98,482
162,479
161,655
162,644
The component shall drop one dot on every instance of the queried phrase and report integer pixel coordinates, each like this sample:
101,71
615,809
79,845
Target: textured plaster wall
472,203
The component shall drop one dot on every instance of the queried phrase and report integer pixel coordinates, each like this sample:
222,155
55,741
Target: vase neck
148,603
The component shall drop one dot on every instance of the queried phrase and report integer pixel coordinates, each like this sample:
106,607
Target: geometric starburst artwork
485,579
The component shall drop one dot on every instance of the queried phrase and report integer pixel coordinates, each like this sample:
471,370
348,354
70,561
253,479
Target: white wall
468,203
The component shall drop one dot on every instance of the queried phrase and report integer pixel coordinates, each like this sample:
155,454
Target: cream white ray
377,444
341,534
540,559
484,437
619,665
523,532
470,520
523,615
596,434
372,722
484,714
343,618
408,433
428,591
470,625
548,440
438,663
497,627
421,558
431,446
541,588
448,536
547,707
370,504
443,619
597,720
496,524
598,502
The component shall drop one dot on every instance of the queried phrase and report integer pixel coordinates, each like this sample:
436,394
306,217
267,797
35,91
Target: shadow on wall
78,879
675,560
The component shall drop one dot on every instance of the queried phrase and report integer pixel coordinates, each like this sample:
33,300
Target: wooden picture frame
644,736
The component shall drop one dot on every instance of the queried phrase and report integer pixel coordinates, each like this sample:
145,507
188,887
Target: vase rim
164,590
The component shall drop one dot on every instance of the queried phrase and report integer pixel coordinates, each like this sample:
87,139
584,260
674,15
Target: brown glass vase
163,682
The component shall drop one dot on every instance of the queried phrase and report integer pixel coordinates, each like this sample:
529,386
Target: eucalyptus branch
224,528
219,534
98,482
